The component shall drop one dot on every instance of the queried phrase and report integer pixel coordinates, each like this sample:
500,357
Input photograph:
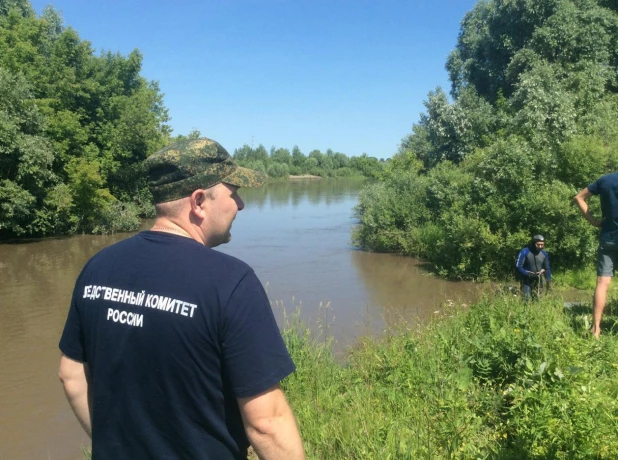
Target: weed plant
502,380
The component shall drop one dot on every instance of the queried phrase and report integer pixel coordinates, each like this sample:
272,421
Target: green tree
281,156
90,110
22,7
298,158
243,154
25,160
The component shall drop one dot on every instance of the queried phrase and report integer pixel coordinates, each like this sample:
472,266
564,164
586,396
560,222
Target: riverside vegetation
502,379
280,162
532,119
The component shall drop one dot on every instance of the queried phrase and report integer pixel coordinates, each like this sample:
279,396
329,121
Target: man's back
607,189
173,333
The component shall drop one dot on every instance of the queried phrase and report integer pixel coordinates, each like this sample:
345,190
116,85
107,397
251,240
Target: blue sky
350,75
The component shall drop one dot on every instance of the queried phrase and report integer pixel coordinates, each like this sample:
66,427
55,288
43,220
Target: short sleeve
72,340
594,188
254,355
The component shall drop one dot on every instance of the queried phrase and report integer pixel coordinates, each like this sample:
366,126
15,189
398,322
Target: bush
345,172
295,171
390,214
118,217
471,220
582,160
278,170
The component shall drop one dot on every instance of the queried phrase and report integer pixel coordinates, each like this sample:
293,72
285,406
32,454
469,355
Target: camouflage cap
185,166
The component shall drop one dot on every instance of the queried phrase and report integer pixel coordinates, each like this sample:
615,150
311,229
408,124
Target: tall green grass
502,380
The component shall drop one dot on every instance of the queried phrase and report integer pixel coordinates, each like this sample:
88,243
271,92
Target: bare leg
600,296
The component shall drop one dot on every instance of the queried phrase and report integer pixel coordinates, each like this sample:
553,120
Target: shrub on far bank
118,217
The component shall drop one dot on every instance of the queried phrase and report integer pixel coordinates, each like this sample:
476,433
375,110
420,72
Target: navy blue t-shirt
173,332
607,189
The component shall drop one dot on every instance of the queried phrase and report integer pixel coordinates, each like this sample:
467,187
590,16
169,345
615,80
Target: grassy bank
501,380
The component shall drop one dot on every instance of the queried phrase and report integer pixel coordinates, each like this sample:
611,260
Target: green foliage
281,156
582,158
21,7
278,170
117,217
455,130
89,196
501,380
534,119
584,278
470,221
25,160
282,163
59,201
16,205
64,112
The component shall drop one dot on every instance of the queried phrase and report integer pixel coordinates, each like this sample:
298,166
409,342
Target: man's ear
197,199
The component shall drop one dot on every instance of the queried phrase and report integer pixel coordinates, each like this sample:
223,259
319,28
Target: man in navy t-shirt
171,349
607,256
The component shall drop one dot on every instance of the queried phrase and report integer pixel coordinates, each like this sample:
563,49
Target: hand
594,222
533,275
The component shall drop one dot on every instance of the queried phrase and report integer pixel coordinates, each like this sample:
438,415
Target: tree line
280,162
531,119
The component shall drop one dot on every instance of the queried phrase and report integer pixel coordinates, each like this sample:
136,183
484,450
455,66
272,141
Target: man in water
607,253
533,266
170,349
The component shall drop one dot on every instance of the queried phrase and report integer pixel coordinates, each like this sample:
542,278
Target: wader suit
530,261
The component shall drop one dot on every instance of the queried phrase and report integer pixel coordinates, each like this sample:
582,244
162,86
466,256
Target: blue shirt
607,189
173,333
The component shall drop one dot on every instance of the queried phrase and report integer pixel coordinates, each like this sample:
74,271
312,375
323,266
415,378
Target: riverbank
502,379
304,176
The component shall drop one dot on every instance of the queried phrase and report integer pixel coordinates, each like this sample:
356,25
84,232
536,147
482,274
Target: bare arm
270,426
75,380
581,201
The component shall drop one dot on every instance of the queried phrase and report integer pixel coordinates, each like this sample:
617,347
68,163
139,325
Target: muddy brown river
296,236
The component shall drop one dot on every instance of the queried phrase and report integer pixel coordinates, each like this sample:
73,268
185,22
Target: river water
295,235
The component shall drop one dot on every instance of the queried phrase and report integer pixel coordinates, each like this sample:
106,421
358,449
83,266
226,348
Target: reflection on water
297,193
400,288
295,235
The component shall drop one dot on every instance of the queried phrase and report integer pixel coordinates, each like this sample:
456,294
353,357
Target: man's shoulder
611,177
608,181
227,261
119,247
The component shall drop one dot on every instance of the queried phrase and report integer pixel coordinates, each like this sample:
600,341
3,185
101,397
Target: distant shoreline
304,176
